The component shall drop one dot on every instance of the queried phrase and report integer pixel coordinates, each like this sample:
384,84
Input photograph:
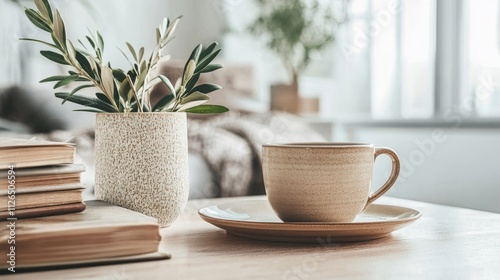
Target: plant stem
82,72
139,103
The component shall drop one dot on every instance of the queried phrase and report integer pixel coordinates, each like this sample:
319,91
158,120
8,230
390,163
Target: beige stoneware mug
322,182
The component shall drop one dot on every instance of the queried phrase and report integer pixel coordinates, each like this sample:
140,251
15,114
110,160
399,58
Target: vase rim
138,113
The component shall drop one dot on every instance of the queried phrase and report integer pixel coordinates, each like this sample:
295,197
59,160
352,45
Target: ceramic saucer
255,219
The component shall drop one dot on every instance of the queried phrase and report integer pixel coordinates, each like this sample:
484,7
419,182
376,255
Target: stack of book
39,178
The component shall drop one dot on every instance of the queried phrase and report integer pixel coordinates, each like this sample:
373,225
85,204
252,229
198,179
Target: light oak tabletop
445,243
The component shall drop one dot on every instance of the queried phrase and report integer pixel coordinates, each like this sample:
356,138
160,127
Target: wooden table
445,243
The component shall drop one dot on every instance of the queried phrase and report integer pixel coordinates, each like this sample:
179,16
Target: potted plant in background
294,30
141,148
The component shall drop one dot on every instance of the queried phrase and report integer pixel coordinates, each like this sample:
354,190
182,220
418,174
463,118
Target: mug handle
396,166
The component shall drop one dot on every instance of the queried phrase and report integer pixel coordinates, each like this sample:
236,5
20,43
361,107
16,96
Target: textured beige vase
142,162
322,182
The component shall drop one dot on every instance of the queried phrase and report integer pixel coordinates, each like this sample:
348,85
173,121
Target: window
427,58
483,36
399,36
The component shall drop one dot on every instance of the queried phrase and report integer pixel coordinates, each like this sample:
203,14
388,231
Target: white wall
454,166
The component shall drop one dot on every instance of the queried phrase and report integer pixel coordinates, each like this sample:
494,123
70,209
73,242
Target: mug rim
320,145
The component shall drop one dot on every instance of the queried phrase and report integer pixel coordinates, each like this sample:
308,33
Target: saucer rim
311,225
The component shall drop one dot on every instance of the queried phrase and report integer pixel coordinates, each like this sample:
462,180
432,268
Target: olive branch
119,90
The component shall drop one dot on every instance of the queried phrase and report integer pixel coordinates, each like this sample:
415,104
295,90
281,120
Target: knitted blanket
231,145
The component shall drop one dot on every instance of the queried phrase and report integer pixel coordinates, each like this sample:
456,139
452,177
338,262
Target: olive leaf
100,41
132,51
66,81
86,101
210,68
37,20
206,61
57,58
206,88
163,102
167,82
190,105
107,81
53,79
191,84
207,109
39,41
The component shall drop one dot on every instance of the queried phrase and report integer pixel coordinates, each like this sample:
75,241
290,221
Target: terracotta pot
142,162
285,98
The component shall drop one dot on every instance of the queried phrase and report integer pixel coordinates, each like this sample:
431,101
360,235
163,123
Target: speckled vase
142,162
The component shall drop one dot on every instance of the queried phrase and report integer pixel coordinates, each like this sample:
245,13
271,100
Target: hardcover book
101,234
46,178
29,153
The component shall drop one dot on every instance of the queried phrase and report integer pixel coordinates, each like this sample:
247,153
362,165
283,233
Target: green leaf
107,81
102,97
195,96
211,68
57,58
207,109
167,82
95,66
132,51
85,64
71,53
86,101
89,110
191,83
119,75
195,54
76,90
66,81
82,79
206,61
209,50
206,88
188,71
35,18
56,41
100,41
39,41
85,47
125,90
91,42
49,9
141,54
191,104
163,102
171,27
53,79
143,66
191,63
139,82
158,36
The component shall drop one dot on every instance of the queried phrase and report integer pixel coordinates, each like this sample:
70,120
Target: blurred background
419,76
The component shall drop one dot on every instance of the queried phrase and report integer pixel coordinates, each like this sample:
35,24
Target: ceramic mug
322,182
